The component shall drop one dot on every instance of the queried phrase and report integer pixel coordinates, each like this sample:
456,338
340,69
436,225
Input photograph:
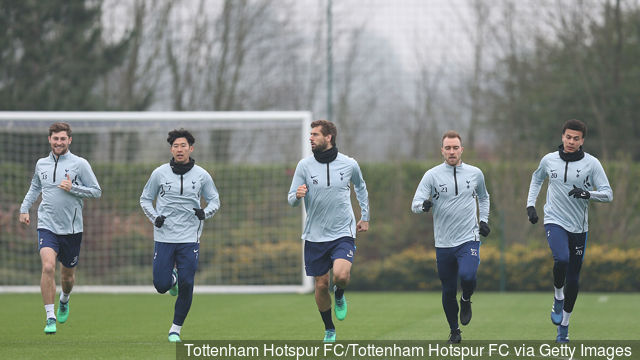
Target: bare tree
133,85
422,126
476,29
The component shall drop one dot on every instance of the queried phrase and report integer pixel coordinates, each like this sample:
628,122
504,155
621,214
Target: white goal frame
305,119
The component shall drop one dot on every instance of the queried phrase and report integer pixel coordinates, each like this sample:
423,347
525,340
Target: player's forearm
148,209
86,191
29,199
212,208
534,190
602,195
293,199
484,205
364,210
363,199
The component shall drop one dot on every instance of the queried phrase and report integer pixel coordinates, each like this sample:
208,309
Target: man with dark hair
457,192
177,188
64,179
575,177
323,181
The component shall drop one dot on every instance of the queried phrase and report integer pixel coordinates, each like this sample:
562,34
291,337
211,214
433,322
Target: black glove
159,221
484,229
199,213
426,205
533,216
579,193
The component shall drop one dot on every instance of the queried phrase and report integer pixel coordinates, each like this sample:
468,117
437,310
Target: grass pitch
129,326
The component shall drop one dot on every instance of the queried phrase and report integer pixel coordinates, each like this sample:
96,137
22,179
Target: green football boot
50,328
329,336
174,337
63,312
174,289
341,308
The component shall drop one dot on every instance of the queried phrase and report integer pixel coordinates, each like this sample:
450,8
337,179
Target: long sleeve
210,194
360,188
536,183
298,180
32,194
88,186
149,194
483,199
603,192
423,192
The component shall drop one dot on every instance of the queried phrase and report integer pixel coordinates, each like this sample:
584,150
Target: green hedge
526,269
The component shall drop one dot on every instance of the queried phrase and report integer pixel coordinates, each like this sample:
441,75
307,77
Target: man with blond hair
457,192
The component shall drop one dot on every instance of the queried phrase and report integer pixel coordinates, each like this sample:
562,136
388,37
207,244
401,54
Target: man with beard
64,179
177,188
457,192
323,181
575,177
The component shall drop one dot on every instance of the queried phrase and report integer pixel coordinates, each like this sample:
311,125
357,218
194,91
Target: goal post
252,245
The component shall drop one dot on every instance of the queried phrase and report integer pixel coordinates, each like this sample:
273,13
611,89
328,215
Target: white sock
49,309
559,293
565,318
64,298
175,329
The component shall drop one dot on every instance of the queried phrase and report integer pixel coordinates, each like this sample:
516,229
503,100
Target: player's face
452,151
181,150
318,141
59,142
572,140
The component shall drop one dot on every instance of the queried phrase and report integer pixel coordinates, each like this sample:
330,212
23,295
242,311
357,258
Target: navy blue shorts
319,256
67,246
458,261
566,246
184,256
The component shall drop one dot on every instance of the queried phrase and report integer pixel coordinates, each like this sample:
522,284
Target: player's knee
449,291
467,276
186,283
67,278
572,283
49,269
322,286
341,279
561,260
161,286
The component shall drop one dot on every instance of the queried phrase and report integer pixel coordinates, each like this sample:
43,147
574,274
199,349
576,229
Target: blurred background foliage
506,74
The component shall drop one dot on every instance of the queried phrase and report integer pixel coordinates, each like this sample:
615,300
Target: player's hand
362,226
301,191
66,183
531,213
199,213
579,193
24,218
484,229
159,221
426,205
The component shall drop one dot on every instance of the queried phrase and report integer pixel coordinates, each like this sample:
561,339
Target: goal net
251,245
